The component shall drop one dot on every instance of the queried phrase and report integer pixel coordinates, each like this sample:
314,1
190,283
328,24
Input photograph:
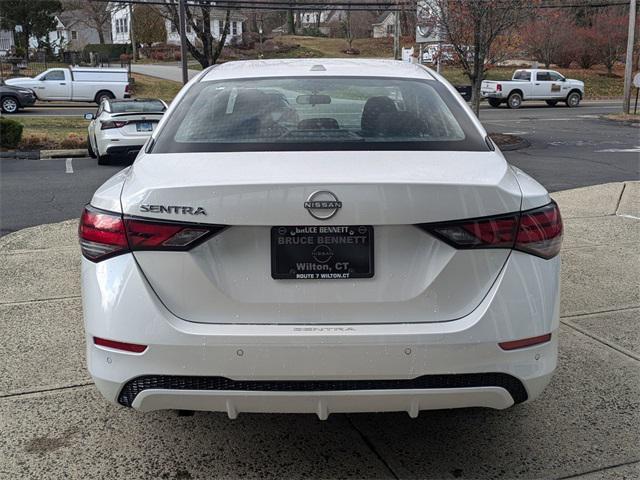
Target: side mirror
89,116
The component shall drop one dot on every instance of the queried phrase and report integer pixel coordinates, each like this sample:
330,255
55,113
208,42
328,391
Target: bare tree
199,19
95,15
475,28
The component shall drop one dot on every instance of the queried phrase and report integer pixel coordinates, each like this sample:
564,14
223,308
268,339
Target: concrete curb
77,152
524,143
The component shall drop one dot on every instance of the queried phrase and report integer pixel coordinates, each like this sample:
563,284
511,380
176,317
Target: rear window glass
137,106
522,75
311,113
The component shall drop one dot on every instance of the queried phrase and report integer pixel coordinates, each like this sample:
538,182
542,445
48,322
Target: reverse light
525,342
537,231
127,347
106,234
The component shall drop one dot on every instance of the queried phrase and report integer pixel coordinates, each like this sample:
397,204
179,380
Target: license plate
144,127
322,252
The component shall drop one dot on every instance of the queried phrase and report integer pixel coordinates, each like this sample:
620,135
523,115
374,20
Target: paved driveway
54,424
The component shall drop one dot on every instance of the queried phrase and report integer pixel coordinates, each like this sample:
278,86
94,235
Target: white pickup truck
533,84
80,84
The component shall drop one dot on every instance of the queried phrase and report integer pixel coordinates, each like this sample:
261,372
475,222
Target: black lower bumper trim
176,382
124,150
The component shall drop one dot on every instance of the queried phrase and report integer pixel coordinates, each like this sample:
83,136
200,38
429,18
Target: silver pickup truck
533,84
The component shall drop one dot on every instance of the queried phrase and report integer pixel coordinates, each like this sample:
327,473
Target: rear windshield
312,113
522,75
137,106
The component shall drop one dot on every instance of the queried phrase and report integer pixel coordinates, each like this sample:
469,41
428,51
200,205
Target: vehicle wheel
92,154
494,102
573,100
103,159
9,105
104,96
551,103
515,100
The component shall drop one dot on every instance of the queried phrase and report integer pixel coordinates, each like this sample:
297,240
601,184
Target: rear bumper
492,95
266,364
115,144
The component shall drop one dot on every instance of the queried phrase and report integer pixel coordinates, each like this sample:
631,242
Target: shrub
106,50
74,141
10,133
37,142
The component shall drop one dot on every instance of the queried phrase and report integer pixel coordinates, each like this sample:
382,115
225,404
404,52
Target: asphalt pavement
584,426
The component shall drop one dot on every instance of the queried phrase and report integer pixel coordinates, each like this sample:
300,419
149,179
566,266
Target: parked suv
320,236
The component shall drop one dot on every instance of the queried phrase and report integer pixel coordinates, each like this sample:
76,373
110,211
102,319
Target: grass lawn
333,47
53,132
151,87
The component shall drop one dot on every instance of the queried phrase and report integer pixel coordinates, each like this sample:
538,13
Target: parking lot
55,424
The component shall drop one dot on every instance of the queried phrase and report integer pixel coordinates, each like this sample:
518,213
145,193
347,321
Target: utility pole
396,32
183,40
628,67
132,37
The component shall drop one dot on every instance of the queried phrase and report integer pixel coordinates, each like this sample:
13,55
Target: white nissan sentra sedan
320,236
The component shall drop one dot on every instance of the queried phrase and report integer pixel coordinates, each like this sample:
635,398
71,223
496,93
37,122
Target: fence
14,67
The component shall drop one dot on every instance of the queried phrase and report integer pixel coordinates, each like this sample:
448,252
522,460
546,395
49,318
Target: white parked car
533,84
79,84
320,236
121,127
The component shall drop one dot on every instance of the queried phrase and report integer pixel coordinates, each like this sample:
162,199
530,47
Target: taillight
106,234
102,234
498,87
112,124
127,89
537,231
540,231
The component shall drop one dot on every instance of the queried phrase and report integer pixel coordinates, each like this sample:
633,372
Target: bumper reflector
127,347
525,342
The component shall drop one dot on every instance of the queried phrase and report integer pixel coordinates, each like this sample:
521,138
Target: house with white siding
217,26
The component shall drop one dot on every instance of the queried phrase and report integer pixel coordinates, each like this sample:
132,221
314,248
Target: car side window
543,77
555,77
522,75
54,75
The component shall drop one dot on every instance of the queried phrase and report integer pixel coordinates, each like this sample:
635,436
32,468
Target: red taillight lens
127,89
498,88
102,234
111,124
525,342
127,347
537,231
498,232
540,231
106,234
144,235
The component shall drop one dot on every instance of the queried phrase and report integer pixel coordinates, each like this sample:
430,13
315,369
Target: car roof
315,67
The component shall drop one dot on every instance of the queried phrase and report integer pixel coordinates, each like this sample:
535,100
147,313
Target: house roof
382,17
69,18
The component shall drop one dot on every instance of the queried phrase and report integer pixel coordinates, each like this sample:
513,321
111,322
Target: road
569,148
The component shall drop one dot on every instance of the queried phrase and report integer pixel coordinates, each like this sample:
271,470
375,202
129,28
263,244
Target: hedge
10,133
106,50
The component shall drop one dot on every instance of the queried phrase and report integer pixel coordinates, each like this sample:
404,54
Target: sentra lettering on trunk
178,209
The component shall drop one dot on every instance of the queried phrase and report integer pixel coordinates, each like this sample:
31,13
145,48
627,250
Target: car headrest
373,107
